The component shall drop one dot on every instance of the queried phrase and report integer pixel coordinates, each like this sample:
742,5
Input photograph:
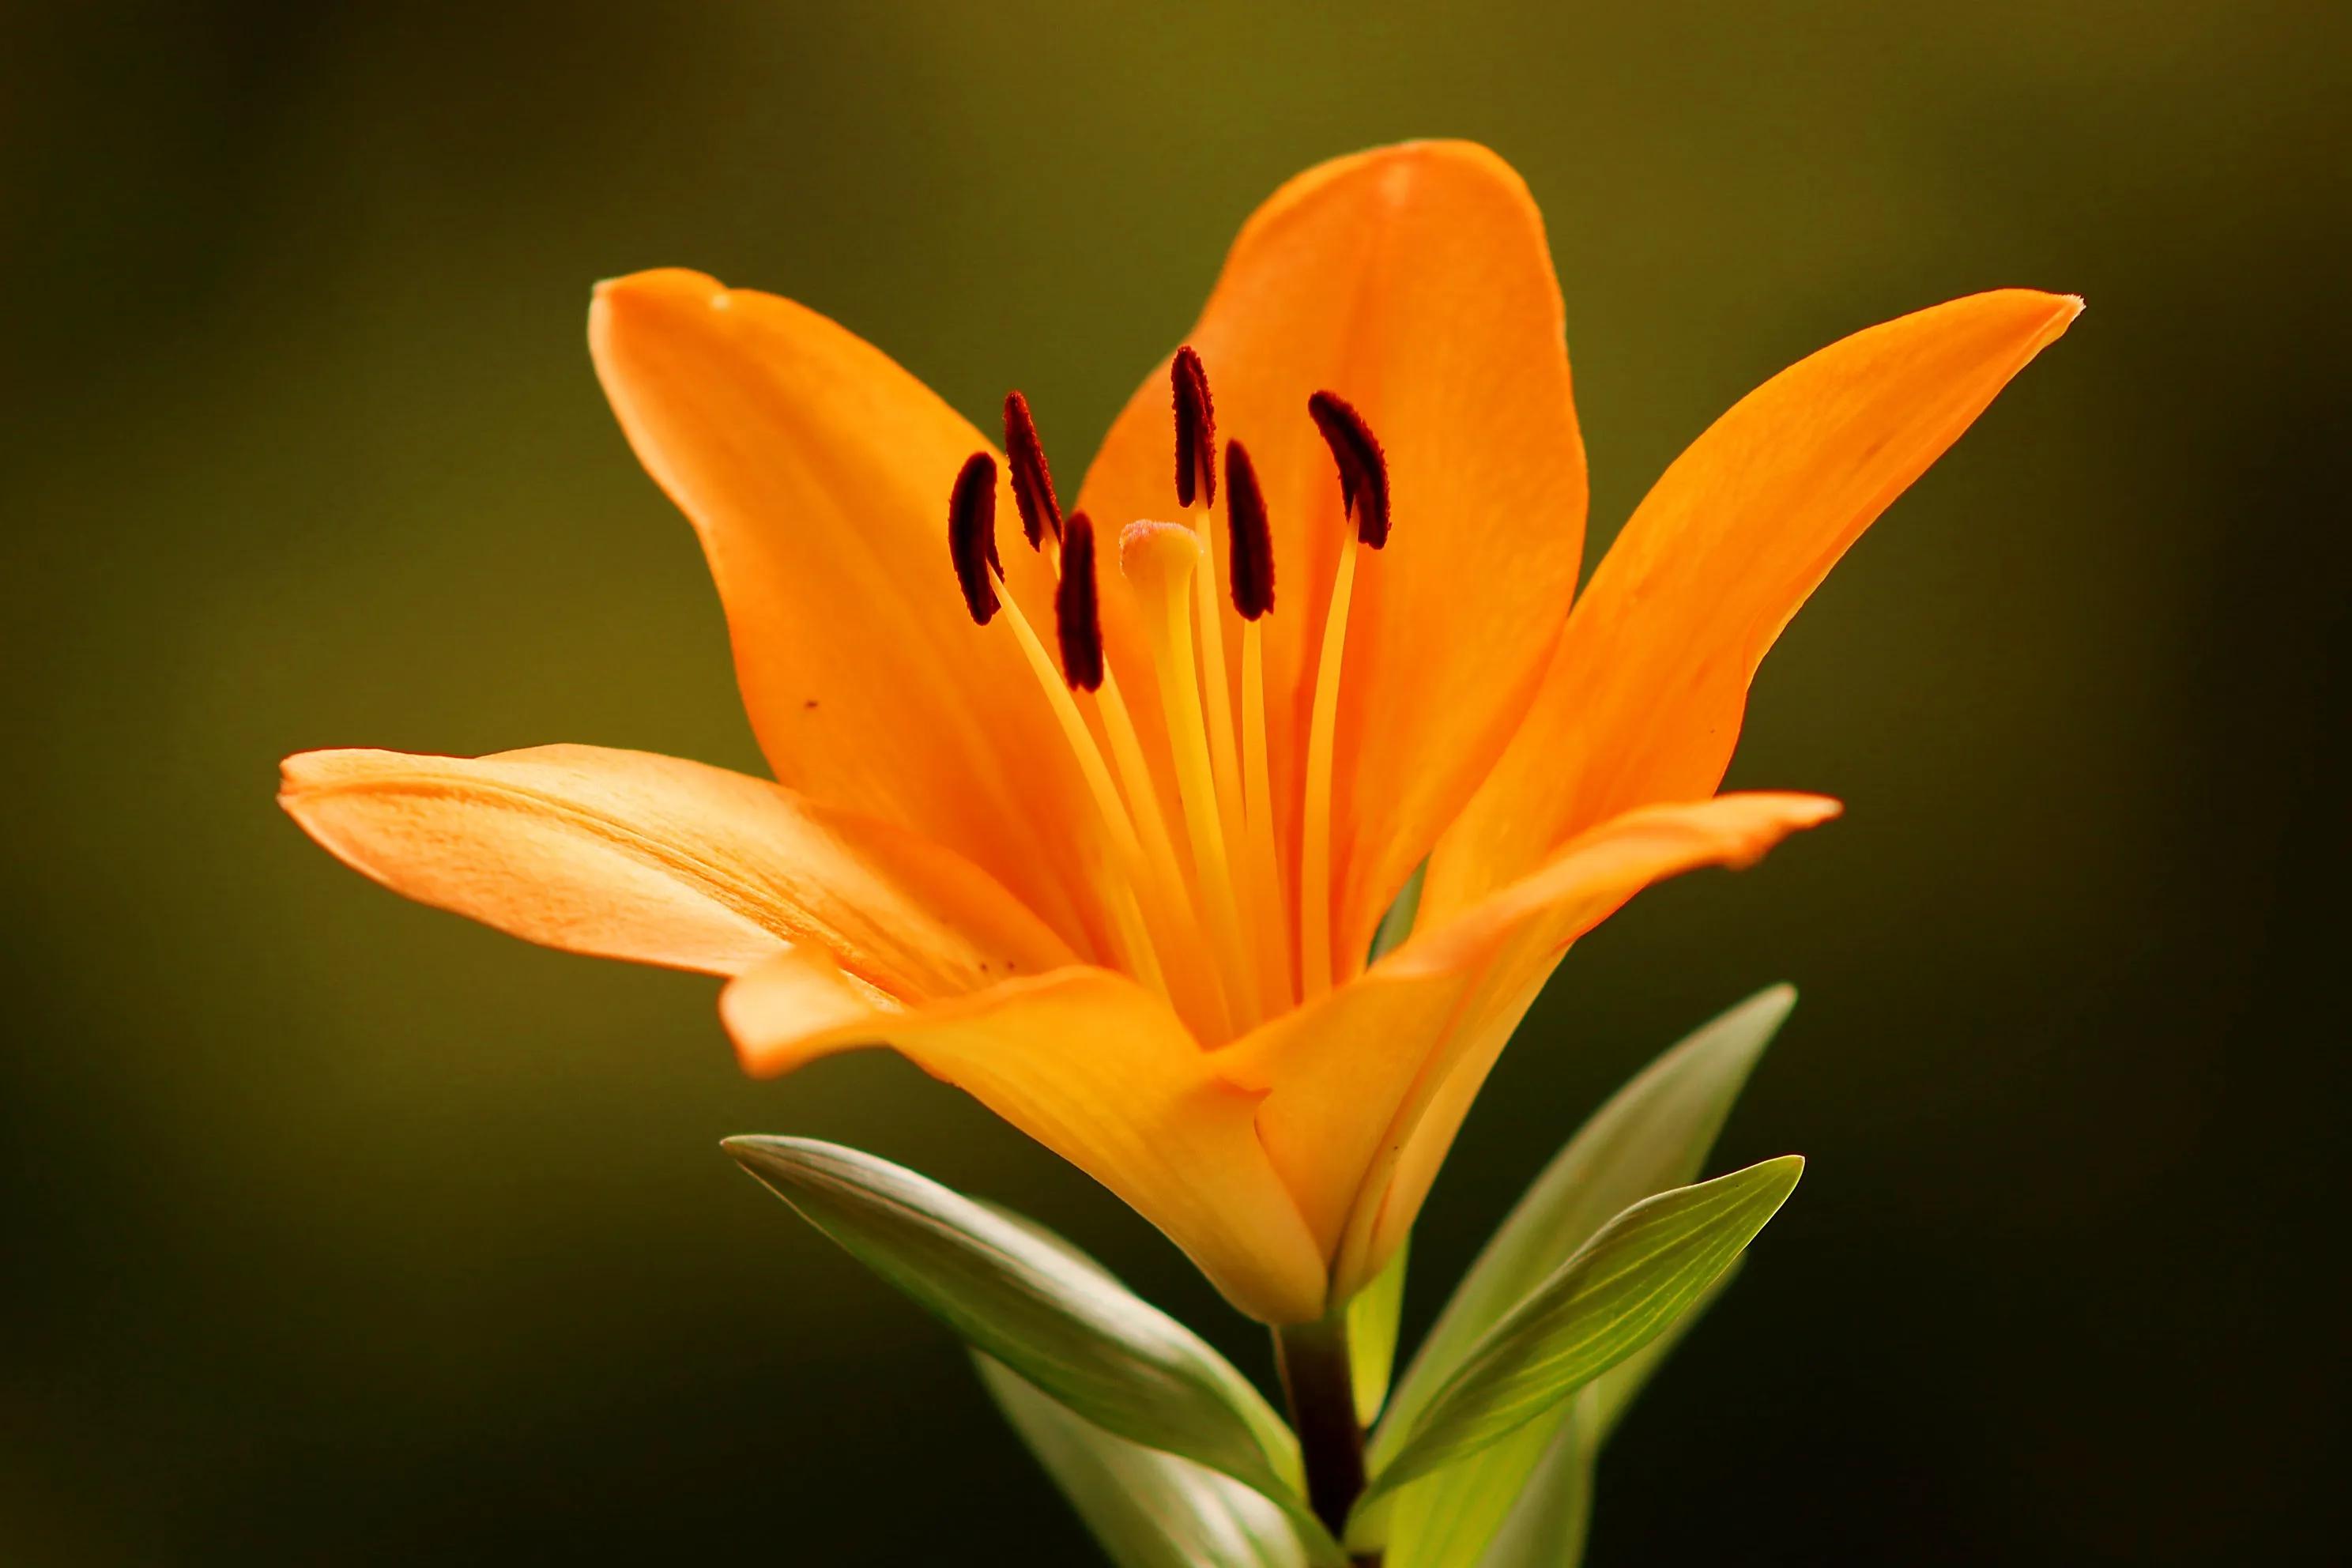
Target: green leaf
1145,1507
1463,1515
1037,1305
1547,1504
1652,1134
1372,1335
1553,1513
1614,1389
1446,1518
1623,1289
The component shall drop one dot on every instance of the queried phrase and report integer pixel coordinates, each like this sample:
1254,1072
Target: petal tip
303,776
1472,156
643,297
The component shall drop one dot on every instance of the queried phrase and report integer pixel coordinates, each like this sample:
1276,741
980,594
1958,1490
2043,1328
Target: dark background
340,1231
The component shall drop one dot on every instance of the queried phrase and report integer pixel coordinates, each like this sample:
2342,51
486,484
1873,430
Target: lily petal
1646,693
1414,282
629,854
1096,1068
817,473
1365,1088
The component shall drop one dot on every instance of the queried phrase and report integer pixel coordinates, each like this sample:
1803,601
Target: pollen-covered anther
1032,480
1250,536
1078,607
971,536
1196,430
1363,467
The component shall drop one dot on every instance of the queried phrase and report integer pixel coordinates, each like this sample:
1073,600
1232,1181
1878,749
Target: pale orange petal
1365,1089
628,855
1093,1068
1644,695
1414,282
817,473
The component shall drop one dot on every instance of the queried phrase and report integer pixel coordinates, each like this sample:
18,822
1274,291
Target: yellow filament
1275,981
1179,930
1223,766
1136,952
1314,816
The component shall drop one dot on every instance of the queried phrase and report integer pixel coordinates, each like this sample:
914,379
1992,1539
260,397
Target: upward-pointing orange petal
1643,697
1414,282
817,473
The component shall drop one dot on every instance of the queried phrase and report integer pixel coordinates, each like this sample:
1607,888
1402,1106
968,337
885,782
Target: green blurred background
337,1230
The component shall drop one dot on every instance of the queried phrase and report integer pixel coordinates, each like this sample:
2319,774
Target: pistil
1161,560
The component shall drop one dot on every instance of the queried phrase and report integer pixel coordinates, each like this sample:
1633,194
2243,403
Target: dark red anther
1033,482
1196,430
1251,537
1363,467
971,535
1077,609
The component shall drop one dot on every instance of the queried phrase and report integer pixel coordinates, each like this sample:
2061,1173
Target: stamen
1162,560
972,540
1363,495
1196,490
1250,563
1196,430
971,535
1250,558
1033,480
1275,954
1078,606
1315,816
1363,467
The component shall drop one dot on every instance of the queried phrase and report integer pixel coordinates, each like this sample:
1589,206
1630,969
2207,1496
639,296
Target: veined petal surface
817,473
653,859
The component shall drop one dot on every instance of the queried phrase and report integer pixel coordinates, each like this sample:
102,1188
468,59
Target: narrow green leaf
1622,1290
1145,1507
1444,1519
1546,1503
1613,1391
1061,1322
1652,1135
1451,1517
1372,1335
1553,1514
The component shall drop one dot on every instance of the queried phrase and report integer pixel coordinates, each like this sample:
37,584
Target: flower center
1218,928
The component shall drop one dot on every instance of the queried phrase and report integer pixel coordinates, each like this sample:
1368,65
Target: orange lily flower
1101,831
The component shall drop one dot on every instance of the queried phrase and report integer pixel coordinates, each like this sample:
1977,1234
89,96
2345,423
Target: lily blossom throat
1209,921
